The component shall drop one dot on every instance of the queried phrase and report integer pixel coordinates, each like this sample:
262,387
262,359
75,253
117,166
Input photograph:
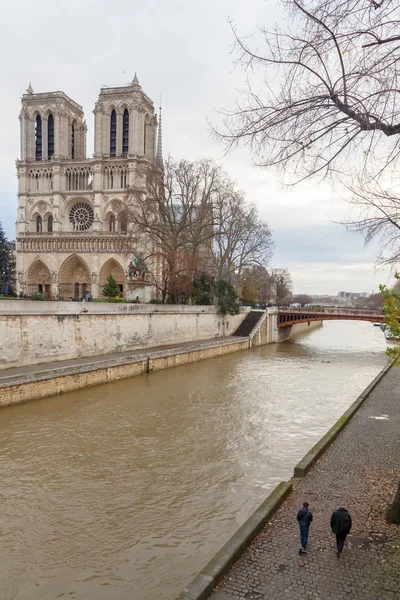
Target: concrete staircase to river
249,323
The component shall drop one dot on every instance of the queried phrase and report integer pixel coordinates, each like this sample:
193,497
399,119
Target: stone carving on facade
42,274
116,206
80,274
94,277
99,107
42,207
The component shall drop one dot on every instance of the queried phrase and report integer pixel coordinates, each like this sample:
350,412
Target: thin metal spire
159,155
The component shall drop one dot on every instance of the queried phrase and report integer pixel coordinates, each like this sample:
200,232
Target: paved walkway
359,471
53,369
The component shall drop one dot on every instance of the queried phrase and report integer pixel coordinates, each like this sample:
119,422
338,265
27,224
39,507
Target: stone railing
353,312
47,234
26,307
71,243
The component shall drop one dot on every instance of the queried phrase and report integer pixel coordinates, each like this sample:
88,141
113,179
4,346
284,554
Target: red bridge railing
292,315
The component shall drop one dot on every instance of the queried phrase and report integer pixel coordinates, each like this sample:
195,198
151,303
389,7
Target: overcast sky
182,49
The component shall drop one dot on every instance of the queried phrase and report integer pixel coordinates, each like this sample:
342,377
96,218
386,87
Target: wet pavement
359,471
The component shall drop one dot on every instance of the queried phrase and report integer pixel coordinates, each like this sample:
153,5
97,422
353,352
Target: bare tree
378,218
242,238
283,282
172,214
301,299
190,218
375,301
330,88
257,285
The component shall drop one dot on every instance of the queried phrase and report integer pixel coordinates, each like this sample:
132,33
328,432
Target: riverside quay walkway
360,471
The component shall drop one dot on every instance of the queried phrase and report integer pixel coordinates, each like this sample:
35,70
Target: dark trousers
303,536
340,540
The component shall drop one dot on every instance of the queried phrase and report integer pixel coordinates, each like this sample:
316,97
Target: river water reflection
125,491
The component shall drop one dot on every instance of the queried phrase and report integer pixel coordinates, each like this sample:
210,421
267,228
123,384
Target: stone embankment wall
285,333
38,332
266,331
23,387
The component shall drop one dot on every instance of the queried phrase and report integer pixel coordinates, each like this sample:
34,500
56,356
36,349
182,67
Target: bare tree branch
330,83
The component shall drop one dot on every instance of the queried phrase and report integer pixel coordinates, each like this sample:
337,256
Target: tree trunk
394,510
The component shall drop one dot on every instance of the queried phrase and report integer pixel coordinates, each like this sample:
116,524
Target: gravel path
359,471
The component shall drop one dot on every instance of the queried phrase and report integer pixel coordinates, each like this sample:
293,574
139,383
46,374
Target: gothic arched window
73,139
113,133
112,223
39,224
50,223
123,221
38,138
50,136
125,132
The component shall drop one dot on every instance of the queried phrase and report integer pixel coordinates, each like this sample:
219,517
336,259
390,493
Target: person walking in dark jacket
304,517
340,525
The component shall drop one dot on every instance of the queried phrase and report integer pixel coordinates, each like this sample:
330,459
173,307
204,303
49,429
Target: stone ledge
11,380
40,375
22,308
15,389
302,468
203,584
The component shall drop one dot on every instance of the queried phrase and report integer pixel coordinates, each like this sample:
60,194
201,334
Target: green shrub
113,299
38,297
111,288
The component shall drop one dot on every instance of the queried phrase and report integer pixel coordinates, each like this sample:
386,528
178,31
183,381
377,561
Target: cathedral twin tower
72,224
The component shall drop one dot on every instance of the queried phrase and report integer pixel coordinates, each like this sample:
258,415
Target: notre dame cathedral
72,225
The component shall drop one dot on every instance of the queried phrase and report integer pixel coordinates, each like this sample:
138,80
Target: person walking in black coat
340,525
304,517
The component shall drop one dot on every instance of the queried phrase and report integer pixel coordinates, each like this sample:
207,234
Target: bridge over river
291,316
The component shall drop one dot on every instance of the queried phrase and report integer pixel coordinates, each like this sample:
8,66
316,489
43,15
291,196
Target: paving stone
359,471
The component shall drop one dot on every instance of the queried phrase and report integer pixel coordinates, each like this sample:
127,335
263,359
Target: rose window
81,216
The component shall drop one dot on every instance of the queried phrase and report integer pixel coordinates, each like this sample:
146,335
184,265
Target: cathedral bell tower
125,124
52,127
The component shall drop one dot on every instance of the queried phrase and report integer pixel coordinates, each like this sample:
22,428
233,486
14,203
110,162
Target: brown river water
125,491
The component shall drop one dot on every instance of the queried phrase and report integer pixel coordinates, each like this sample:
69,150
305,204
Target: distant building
351,298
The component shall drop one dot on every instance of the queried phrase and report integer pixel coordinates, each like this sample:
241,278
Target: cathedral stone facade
72,230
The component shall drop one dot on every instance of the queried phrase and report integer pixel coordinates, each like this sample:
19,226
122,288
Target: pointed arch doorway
74,278
39,279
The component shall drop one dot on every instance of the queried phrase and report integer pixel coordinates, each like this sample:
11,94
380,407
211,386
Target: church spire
135,82
159,156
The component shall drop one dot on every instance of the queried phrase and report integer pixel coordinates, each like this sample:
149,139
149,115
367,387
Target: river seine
125,491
